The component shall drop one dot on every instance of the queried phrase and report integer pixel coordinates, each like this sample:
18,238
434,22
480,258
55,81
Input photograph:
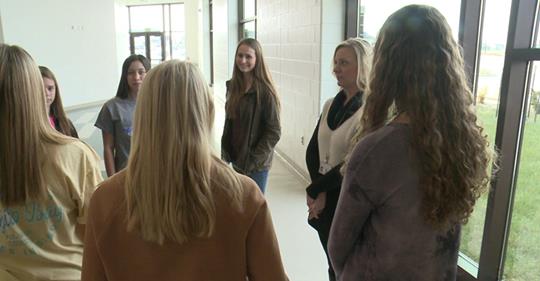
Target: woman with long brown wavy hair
46,180
421,163
178,211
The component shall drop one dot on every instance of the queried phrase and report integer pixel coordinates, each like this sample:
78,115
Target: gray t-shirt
116,118
379,232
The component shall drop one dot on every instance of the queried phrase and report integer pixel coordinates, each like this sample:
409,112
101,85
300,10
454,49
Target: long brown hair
418,69
172,173
23,121
262,80
57,109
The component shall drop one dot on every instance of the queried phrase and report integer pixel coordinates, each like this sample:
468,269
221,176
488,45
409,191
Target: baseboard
84,105
299,172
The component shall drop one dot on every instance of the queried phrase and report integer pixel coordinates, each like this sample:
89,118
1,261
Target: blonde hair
23,121
172,172
419,69
362,50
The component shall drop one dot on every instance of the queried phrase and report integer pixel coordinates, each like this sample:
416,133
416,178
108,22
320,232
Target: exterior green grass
523,252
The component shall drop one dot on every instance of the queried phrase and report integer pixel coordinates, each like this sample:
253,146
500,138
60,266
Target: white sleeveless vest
334,145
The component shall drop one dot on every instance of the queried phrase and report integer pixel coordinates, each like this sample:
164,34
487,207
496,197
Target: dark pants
323,224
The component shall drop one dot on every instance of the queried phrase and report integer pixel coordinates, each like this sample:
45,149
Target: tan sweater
243,246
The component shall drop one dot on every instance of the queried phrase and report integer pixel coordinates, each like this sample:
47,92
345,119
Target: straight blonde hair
363,52
172,172
23,121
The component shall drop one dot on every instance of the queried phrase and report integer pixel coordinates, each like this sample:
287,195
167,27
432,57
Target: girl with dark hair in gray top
116,116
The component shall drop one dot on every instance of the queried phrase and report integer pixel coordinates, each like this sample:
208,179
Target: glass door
149,44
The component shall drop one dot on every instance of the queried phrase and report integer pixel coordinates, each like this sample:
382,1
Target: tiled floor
301,251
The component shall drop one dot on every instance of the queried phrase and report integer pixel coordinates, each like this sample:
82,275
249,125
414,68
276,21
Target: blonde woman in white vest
332,136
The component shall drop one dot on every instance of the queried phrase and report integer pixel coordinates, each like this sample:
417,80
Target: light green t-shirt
38,240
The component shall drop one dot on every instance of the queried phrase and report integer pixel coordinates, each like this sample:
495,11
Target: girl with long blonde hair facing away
46,180
252,124
421,163
178,211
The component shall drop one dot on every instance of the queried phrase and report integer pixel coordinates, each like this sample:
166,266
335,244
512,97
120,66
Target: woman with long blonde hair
178,210
415,175
46,180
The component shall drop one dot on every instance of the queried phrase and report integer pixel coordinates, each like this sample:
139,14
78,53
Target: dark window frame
166,32
243,20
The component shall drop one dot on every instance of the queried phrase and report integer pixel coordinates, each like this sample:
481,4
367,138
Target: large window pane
146,18
494,36
523,249
375,12
140,45
249,8
156,49
248,29
178,45
177,17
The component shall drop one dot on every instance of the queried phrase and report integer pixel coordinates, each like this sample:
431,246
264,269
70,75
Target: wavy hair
123,86
57,109
262,80
172,172
23,120
362,49
418,69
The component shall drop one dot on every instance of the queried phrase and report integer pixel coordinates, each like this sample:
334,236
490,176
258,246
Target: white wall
298,39
205,23
85,42
121,17
76,39
225,40
332,33
1,30
193,19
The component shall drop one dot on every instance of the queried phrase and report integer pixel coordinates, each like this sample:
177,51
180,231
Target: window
248,19
373,13
157,31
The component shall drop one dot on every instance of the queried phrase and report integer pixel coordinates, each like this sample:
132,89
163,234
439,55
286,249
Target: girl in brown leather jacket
252,126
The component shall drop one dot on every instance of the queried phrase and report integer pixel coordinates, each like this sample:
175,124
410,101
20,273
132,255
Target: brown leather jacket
249,139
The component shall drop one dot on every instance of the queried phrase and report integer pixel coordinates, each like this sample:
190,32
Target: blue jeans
260,177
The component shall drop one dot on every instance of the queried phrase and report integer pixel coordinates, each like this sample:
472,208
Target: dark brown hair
123,87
